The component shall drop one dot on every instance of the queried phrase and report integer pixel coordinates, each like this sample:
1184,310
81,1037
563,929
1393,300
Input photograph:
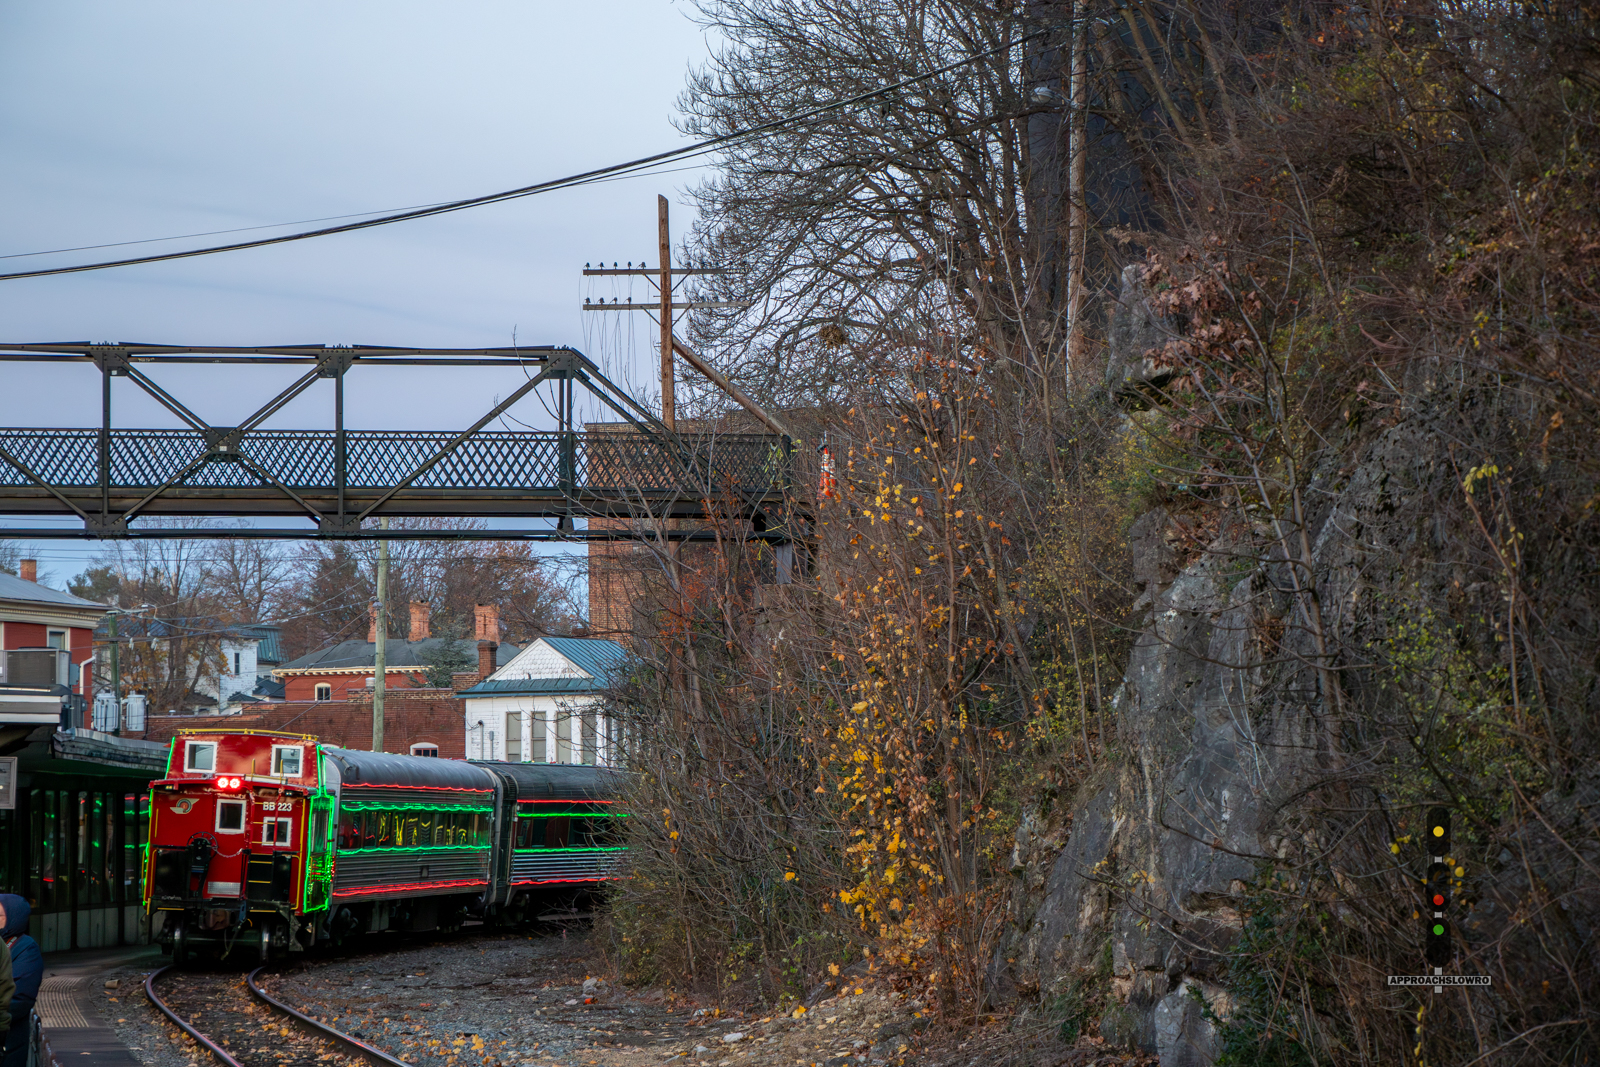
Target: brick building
53,630
420,721
339,671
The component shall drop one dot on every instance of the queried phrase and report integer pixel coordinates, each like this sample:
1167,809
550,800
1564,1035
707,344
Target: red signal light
1438,900
222,783
228,783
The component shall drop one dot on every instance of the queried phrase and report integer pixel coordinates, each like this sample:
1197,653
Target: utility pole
381,641
664,278
116,670
669,392
114,613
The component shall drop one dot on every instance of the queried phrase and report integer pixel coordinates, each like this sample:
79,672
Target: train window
275,832
556,831
530,833
230,816
200,756
286,761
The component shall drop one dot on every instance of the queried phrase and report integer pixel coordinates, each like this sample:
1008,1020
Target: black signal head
1437,832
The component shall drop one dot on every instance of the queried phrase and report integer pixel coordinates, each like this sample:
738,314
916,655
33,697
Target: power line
273,225
699,148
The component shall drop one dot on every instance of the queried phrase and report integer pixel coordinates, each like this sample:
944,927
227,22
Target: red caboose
239,841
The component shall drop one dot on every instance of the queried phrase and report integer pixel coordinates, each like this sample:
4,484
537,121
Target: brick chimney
419,621
30,570
487,618
372,622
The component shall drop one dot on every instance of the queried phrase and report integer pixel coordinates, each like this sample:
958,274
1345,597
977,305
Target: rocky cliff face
1130,894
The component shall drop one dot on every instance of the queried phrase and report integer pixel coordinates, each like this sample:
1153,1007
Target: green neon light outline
417,848
575,848
323,869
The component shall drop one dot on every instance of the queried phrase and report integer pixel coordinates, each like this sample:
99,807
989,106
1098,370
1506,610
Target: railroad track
252,1029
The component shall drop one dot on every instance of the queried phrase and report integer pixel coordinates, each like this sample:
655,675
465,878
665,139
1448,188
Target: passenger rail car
275,842
563,832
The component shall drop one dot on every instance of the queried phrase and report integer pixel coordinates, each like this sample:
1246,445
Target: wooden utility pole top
669,400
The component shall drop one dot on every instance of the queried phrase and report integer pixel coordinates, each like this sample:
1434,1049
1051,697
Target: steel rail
350,1044
161,1006
370,1053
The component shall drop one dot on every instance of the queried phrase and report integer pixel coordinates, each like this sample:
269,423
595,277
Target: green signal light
1438,930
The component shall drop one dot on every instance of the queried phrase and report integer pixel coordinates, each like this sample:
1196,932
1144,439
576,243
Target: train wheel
180,947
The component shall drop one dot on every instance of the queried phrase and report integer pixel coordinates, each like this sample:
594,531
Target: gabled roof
14,588
351,654
557,665
594,656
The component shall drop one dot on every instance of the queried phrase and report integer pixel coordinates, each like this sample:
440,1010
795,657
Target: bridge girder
109,477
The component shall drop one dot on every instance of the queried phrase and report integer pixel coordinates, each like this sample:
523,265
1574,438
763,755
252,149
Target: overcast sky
126,121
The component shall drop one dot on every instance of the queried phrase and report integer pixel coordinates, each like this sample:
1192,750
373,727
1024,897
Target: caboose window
230,816
286,761
275,832
200,756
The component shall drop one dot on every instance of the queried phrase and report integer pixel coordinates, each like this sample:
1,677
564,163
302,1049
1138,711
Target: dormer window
200,756
324,691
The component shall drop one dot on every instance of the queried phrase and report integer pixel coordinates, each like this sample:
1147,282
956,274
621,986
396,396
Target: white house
249,653
546,705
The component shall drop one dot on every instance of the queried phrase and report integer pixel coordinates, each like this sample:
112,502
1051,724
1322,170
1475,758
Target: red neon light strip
433,788
566,802
405,888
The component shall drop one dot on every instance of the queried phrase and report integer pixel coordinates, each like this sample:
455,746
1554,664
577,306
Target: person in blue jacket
27,970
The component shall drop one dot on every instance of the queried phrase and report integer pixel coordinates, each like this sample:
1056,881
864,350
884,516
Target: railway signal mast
1436,888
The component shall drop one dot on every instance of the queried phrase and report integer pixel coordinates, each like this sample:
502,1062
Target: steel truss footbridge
110,478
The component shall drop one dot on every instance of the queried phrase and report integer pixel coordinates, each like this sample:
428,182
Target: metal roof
559,781
14,588
270,638
503,686
593,655
358,768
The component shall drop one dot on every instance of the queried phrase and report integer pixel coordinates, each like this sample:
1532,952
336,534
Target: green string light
574,848
573,815
416,848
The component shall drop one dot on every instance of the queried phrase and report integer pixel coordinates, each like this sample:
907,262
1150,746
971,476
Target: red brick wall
410,716
25,635
80,642
304,686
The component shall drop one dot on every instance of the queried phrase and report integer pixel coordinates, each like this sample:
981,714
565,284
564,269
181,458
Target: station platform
71,1031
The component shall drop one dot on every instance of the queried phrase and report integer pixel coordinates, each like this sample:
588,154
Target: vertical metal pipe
116,670
105,444
381,641
338,440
